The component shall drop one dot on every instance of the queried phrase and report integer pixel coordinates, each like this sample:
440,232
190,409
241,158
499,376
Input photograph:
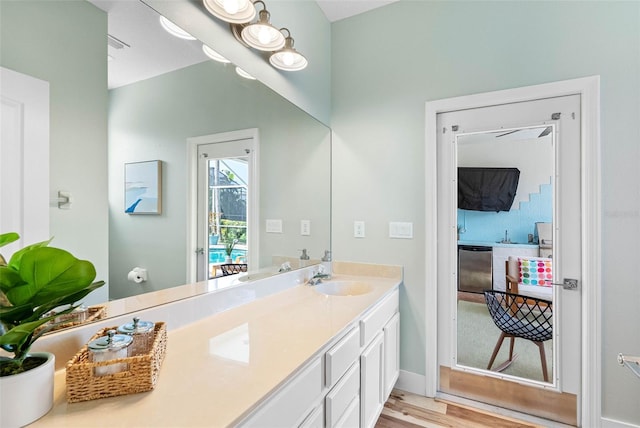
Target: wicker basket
94,313
140,374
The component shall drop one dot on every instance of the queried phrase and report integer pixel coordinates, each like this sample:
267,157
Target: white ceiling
336,10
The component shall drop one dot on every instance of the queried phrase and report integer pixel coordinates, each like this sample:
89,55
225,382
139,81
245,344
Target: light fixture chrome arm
262,35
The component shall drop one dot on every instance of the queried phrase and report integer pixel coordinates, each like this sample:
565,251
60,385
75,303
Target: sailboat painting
143,187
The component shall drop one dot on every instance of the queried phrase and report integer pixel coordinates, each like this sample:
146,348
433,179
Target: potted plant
36,280
228,248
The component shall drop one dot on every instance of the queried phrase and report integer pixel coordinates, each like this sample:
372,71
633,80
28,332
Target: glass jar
110,347
142,333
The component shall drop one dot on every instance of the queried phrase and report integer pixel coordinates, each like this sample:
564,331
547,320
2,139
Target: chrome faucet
318,276
285,267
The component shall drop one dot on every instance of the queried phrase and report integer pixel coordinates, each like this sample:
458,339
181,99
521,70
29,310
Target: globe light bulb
264,35
287,58
231,6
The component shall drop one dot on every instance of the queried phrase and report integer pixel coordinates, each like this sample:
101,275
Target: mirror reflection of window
494,246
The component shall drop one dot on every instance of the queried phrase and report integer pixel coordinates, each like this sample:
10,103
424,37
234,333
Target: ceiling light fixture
232,11
214,55
288,58
244,74
262,35
174,30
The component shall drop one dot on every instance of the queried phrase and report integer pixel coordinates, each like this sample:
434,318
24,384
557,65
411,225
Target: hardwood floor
404,409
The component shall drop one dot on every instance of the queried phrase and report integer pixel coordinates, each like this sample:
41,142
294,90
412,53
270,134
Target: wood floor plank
419,401
406,410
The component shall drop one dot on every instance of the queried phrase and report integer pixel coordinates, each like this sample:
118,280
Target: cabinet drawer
373,322
351,417
288,406
315,419
342,395
340,357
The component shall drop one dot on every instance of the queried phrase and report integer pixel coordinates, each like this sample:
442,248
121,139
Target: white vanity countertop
218,369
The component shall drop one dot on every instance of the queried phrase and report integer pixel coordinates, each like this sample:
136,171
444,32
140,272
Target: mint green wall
309,89
152,119
388,62
64,43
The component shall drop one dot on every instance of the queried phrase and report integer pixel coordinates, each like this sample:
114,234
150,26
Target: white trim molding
411,382
192,198
611,423
589,413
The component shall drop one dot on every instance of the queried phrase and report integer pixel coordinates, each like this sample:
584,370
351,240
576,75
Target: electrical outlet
358,229
305,227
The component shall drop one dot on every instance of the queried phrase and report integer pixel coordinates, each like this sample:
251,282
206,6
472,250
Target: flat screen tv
487,189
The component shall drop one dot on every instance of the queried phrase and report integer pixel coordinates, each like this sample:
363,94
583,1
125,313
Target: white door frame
24,163
253,203
589,89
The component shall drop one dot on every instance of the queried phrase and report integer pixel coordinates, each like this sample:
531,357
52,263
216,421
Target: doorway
24,158
224,203
572,182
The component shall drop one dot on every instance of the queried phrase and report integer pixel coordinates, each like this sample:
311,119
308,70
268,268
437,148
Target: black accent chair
520,316
233,268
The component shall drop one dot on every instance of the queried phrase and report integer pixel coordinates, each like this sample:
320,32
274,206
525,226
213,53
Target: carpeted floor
477,336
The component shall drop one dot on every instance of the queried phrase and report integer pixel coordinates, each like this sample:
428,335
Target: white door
560,118
24,158
226,203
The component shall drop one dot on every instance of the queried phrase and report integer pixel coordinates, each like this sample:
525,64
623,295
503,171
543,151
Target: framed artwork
143,187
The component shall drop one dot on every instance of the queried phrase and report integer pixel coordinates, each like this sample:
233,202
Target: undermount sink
343,288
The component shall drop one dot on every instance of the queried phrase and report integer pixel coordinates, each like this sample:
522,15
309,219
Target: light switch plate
273,226
358,229
400,230
305,227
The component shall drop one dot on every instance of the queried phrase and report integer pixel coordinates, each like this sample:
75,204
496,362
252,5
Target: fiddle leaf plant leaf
8,238
16,258
50,273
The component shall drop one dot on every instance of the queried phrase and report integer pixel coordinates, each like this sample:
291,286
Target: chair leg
543,360
496,350
513,339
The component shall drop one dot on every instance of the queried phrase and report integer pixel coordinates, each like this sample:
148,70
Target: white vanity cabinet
347,384
294,402
391,354
379,362
501,254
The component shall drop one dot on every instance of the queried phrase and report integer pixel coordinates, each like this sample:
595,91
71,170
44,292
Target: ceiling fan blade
546,132
507,133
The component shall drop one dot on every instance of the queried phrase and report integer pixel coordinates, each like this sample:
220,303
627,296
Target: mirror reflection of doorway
226,213
505,202
556,397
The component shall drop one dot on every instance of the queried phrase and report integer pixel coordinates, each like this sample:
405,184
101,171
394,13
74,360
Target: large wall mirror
504,217
153,115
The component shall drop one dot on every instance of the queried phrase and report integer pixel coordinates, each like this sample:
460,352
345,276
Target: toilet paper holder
137,275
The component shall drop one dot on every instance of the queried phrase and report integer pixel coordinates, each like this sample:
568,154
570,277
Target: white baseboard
412,382
611,423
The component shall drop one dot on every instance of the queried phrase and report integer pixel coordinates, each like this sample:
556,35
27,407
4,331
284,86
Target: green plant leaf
18,338
16,258
10,315
9,278
50,273
8,238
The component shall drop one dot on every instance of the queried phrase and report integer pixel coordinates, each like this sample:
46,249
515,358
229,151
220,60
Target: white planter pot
27,396
228,260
